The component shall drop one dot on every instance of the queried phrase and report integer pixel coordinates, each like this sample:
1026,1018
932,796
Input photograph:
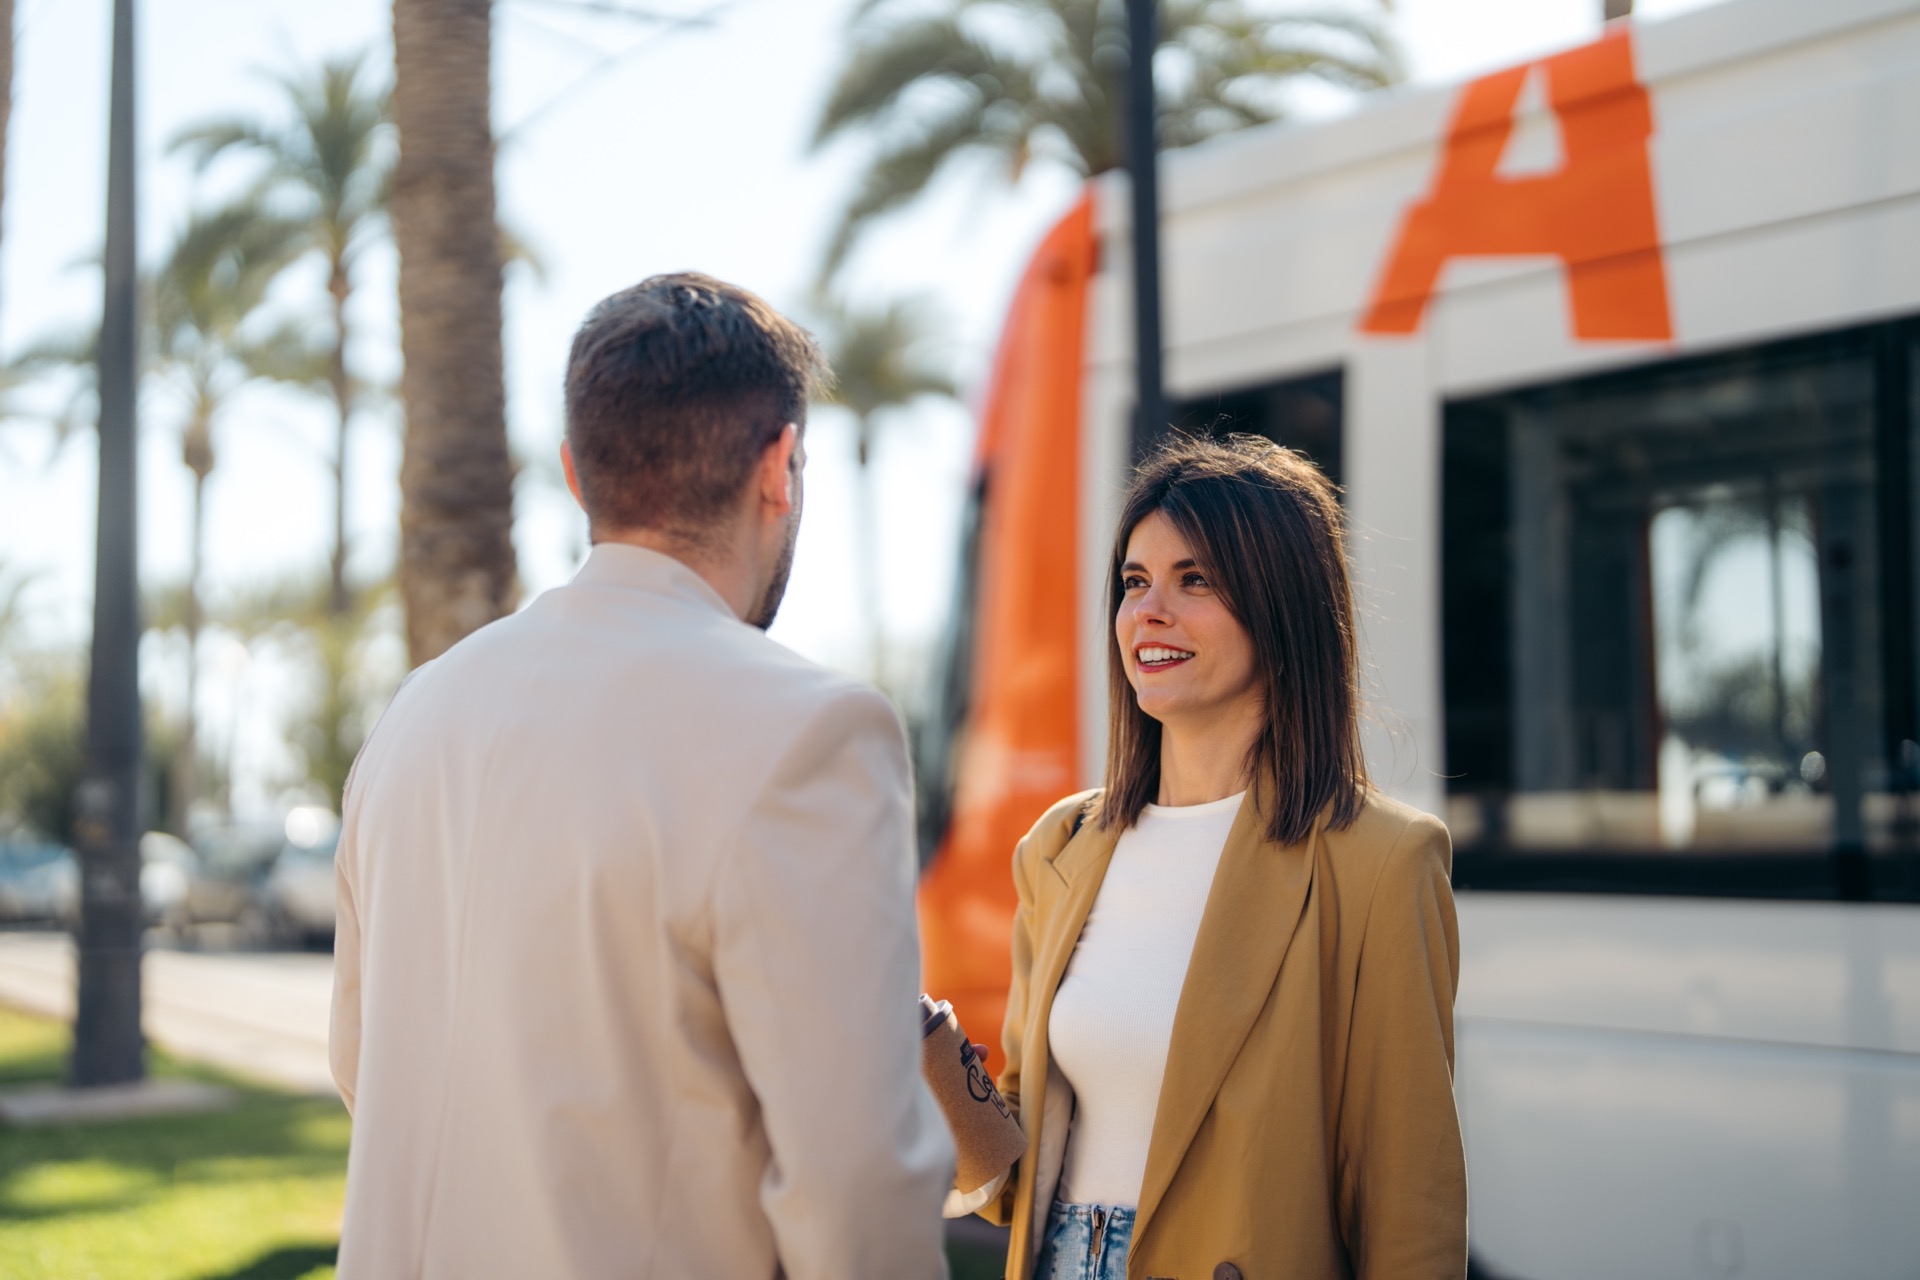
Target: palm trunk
339,601
457,568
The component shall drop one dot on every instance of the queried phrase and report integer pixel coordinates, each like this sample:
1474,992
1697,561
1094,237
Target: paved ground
261,1015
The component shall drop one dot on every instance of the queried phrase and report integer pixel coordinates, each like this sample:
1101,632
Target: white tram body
1620,370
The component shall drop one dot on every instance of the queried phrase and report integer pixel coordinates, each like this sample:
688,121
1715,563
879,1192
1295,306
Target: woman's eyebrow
1133,566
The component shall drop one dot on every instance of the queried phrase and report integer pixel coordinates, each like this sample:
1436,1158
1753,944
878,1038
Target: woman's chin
1161,707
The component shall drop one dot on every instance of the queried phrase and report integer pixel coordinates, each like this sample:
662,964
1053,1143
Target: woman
1230,1031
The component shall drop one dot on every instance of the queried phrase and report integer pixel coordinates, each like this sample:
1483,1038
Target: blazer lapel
1258,896
1080,866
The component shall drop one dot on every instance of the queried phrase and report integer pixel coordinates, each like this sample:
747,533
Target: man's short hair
675,387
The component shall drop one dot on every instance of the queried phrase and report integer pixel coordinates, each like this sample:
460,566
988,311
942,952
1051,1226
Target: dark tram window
1678,632
1303,414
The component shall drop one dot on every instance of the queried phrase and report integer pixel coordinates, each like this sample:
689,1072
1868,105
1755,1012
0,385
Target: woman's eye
1194,580
1133,582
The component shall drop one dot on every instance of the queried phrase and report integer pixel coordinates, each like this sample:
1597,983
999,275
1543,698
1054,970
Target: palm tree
194,310
1026,79
883,358
210,286
70,354
326,168
457,569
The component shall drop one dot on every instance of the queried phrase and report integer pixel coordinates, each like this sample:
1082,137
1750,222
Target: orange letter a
1595,213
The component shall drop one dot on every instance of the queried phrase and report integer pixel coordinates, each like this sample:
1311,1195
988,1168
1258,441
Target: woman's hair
1265,526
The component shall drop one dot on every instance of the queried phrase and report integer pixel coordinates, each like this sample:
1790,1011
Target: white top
1112,1018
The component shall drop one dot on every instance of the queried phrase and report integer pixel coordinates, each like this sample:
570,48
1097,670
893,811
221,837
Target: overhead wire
668,25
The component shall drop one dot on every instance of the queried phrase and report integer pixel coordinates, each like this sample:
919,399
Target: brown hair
1265,526
675,387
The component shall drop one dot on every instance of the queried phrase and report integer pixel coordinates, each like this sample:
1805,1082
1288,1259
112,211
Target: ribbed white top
1112,1019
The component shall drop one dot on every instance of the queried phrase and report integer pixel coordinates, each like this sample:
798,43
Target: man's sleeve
816,958
343,1035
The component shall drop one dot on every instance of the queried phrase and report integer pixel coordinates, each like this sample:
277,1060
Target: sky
624,152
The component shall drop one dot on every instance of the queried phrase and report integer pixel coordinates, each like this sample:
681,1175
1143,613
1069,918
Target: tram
1616,356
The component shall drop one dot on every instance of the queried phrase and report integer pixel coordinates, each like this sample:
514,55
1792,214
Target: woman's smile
1153,657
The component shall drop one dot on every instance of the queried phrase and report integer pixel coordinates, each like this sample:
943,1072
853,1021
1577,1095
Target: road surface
259,1015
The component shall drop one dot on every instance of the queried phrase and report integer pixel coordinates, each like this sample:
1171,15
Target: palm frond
220,267
886,356
517,250
70,355
296,352
204,143
903,58
77,347
903,169
920,72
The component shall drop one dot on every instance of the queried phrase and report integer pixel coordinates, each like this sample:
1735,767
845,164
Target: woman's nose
1152,606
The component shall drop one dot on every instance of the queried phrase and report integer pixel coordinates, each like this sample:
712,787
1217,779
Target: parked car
233,860
167,868
36,878
297,895
42,882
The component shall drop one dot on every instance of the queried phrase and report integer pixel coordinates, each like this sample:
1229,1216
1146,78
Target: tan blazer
1306,1127
626,965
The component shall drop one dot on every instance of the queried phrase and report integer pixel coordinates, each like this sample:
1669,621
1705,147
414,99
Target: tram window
1303,414
1677,632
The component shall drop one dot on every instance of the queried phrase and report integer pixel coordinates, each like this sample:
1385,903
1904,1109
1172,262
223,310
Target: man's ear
573,477
777,472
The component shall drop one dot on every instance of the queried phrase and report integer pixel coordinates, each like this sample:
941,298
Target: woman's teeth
1154,656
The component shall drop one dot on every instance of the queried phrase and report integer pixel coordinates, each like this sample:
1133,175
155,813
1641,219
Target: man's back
626,956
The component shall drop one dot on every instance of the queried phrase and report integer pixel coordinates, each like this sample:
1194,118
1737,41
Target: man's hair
675,388
1265,525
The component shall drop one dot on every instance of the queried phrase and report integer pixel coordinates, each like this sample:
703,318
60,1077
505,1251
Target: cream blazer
626,964
1306,1127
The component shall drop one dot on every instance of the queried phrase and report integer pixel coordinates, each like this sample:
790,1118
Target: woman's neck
1201,763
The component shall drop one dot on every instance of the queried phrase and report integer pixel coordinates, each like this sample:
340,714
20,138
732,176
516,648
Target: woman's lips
1160,657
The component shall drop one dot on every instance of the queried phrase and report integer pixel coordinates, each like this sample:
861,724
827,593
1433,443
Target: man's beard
763,614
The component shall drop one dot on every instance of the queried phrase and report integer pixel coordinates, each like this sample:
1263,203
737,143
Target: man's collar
621,564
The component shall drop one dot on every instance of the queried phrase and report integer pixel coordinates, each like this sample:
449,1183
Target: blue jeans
1085,1242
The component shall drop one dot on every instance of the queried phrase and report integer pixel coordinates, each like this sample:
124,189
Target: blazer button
1227,1271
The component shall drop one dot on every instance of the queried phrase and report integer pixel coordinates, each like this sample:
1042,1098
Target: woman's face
1189,660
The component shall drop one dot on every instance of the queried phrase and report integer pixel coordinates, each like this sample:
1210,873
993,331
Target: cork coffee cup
986,1136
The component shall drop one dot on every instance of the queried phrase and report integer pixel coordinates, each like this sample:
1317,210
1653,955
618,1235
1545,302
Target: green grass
253,1193
248,1194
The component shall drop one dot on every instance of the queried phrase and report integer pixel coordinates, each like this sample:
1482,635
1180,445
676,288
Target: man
626,966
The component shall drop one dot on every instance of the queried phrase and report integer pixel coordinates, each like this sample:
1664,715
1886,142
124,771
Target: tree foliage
1020,80
42,746
325,169
884,357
